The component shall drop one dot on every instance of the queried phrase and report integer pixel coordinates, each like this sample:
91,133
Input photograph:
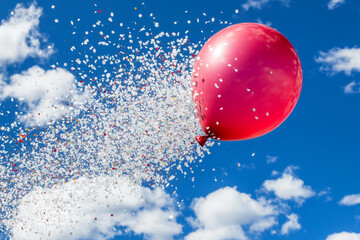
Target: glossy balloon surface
246,81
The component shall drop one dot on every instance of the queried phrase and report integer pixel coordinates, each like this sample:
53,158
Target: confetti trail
129,113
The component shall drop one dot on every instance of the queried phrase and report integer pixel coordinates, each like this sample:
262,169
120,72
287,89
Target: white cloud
352,88
259,4
90,208
267,23
270,159
289,187
263,224
233,232
20,37
338,60
350,200
223,213
254,4
335,3
326,193
46,93
345,60
344,236
291,225
104,207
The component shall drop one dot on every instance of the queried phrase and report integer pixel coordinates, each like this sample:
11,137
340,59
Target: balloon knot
202,139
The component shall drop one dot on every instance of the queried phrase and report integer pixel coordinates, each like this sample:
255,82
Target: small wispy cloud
254,4
258,4
270,159
352,88
338,60
335,3
291,225
325,193
350,200
267,23
344,236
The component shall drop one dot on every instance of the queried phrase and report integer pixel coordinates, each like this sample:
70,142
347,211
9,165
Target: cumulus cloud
338,60
350,200
345,60
234,232
104,207
223,213
291,225
42,91
289,187
344,236
335,3
20,37
49,95
90,208
258,4
263,224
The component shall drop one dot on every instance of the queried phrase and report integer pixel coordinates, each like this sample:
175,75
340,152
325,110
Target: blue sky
298,182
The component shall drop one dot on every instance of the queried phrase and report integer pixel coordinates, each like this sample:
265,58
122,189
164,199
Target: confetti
129,113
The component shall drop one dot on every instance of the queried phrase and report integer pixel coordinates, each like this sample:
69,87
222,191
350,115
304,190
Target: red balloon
246,80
